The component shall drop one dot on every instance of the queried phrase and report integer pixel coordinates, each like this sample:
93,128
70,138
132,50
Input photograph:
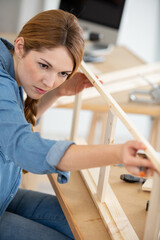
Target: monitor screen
104,12
100,19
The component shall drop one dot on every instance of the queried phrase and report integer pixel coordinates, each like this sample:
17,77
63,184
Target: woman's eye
43,66
64,74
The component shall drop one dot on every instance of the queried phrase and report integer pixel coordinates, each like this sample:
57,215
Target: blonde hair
51,29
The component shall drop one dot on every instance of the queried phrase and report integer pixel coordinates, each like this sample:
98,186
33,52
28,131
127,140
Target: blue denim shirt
20,148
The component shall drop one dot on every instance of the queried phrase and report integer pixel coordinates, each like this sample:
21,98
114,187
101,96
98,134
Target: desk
75,200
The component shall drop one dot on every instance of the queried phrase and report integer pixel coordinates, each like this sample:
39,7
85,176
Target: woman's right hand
132,162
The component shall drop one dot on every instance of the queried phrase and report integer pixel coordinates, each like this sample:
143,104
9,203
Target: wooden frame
111,212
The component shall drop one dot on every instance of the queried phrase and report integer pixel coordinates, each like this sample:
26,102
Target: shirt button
12,195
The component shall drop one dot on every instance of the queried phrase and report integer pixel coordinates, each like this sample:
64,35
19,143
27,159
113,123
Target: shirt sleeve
20,145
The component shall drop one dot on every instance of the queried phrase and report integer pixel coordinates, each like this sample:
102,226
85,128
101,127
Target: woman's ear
19,47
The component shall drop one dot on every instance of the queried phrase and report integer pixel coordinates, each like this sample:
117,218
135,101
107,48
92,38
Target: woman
44,63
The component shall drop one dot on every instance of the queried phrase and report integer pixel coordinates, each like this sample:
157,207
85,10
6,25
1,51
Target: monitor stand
95,52
98,48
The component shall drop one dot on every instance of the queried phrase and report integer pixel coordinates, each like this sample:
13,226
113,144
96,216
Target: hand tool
131,179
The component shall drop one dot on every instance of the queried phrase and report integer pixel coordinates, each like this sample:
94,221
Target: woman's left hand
74,85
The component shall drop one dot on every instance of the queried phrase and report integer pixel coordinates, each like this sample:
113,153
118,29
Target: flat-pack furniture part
110,210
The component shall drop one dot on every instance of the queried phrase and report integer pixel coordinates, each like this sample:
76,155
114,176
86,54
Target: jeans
34,216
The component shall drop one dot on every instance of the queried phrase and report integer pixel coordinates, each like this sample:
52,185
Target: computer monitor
97,17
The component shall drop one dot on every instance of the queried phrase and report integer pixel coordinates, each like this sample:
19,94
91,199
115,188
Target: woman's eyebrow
52,66
46,62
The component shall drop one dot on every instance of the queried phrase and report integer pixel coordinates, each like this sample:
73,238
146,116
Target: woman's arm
71,86
80,157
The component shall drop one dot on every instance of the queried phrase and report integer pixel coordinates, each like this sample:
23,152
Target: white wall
50,4
140,28
9,14
27,10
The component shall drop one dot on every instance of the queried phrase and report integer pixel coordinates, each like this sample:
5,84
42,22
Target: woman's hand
132,162
74,85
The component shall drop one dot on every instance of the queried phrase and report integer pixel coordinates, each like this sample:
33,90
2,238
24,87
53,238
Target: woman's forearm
89,156
79,157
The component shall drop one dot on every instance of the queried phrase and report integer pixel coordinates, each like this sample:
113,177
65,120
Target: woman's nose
49,81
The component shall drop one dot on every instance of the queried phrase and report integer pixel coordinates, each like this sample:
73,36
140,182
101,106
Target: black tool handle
131,179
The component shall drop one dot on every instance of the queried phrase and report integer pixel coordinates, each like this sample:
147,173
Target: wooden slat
104,171
152,228
147,186
110,210
75,119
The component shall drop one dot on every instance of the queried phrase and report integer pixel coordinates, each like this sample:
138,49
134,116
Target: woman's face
40,72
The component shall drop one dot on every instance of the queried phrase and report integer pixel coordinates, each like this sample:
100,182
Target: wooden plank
103,180
114,106
152,228
147,186
110,210
106,216
139,72
73,225
79,209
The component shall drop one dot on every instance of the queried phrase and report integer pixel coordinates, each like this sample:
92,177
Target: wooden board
79,208
147,186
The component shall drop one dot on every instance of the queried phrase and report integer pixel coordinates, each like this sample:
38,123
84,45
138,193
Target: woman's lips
40,91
